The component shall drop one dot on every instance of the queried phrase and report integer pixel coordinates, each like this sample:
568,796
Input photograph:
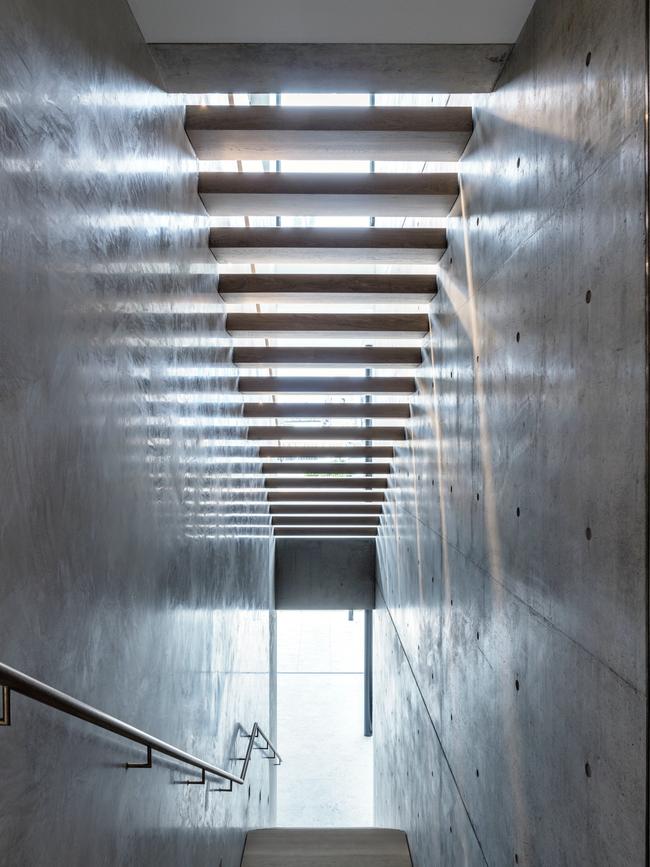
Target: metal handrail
13,680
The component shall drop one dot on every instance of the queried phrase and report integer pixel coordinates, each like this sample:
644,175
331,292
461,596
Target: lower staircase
326,847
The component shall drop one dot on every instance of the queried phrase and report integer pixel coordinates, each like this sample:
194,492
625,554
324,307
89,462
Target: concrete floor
111,590
326,776
511,646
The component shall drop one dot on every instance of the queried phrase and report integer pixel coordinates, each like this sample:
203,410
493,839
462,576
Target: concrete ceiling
425,21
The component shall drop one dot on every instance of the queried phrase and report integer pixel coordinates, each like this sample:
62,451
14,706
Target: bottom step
326,847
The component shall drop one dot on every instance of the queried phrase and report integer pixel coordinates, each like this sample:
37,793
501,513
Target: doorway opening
324,719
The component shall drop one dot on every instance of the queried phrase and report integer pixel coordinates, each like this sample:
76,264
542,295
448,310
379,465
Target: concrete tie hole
588,58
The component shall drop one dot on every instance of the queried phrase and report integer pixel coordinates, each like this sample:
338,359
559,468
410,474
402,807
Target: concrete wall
510,648
325,574
110,590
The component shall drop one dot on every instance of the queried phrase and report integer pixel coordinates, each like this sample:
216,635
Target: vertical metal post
5,719
367,675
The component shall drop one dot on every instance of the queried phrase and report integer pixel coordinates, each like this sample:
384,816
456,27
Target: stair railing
13,680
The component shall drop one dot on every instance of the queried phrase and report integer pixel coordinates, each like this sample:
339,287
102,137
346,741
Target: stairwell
327,459
328,391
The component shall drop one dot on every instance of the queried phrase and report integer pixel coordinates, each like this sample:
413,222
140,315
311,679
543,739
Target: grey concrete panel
414,786
324,574
513,551
236,67
116,587
550,123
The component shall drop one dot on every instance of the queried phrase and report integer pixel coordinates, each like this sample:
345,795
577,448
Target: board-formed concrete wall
325,574
510,644
112,586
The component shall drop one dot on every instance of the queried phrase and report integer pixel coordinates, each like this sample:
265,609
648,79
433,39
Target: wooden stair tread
342,183
326,356
323,119
358,497
407,194
370,510
282,132
325,531
357,482
327,385
322,432
342,288
325,450
327,324
280,244
325,521
326,410
341,468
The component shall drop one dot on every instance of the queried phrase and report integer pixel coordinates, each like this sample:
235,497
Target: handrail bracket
146,764
13,680
5,719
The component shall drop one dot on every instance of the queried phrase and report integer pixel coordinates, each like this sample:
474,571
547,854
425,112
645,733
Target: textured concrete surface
116,587
513,560
253,67
332,847
325,574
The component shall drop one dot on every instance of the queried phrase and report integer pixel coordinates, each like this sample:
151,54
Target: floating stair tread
325,521
317,356
322,432
326,410
358,497
282,132
325,531
326,847
370,510
341,468
326,385
327,451
342,288
328,324
351,238
263,245
358,482
407,194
